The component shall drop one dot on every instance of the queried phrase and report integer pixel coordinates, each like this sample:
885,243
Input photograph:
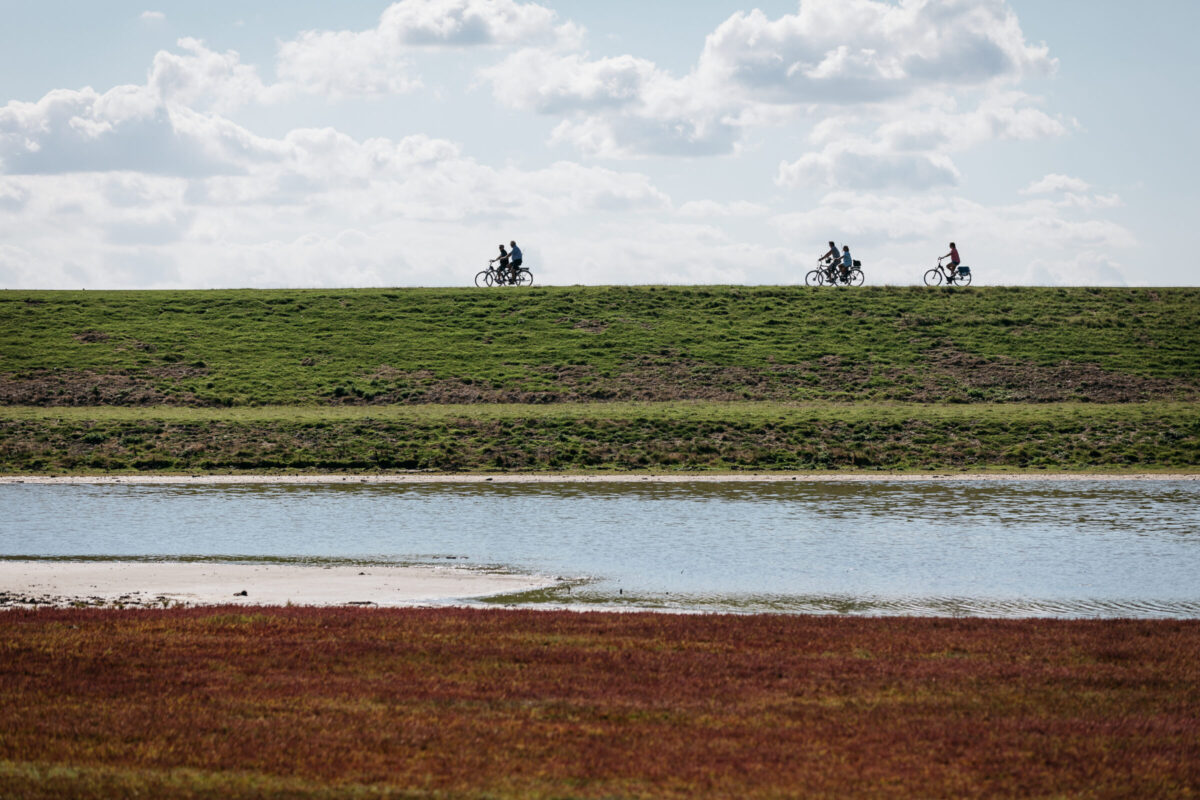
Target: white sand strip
686,477
207,583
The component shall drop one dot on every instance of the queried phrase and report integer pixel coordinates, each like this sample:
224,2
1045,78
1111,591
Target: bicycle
822,274
952,275
827,272
503,276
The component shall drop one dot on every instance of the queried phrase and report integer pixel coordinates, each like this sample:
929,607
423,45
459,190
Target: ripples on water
1000,548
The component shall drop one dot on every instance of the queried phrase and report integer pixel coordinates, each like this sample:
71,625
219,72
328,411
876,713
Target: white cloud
999,116
203,78
472,22
621,107
1053,183
911,149
157,194
340,64
152,16
378,60
170,125
639,136
847,167
899,67
126,128
712,208
534,80
850,51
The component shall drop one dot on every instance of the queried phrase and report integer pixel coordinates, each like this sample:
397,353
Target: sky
177,144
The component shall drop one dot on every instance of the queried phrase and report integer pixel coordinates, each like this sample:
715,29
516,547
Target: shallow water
996,548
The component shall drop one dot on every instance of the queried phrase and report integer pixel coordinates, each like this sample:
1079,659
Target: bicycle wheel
524,277
856,277
484,279
963,279
933,277
815,277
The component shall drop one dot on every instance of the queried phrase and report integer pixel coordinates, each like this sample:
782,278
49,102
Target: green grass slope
600,378
602,343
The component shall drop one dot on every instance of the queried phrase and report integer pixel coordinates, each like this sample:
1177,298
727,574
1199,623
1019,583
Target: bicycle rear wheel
933,277
815,277
524,277
484,279
856,277
963,279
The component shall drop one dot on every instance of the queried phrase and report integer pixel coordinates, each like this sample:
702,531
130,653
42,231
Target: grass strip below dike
686,436
461,703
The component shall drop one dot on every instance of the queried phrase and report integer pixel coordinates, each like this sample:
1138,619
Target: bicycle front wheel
933,277
815,277
524,277
856,277
484,279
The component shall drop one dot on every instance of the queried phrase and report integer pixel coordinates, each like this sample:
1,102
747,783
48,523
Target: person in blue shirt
847,261
515,264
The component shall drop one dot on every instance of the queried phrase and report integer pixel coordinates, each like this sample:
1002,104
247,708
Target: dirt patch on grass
90,337
948,376
1024,382
549,444
945,375
81,388
647,379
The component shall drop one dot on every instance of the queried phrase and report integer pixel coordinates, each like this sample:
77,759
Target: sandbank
157,583
684,477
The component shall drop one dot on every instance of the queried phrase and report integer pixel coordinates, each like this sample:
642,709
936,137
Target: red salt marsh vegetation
464,703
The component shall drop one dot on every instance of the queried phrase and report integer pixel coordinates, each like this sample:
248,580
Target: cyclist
517,258
828,259
847,262
955,261
502,268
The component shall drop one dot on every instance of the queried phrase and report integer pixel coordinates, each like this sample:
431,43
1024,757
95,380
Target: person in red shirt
954,259
953,256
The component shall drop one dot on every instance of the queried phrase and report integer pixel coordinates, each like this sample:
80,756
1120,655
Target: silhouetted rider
501,262
829,258
517,258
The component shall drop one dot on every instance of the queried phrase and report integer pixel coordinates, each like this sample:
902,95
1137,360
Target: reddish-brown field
455,703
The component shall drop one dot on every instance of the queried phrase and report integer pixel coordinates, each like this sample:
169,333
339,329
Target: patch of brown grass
466,703
86,388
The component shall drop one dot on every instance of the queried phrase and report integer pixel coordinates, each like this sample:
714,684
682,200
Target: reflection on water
1092,548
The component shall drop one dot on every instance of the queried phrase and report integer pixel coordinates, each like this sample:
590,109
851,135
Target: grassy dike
600,379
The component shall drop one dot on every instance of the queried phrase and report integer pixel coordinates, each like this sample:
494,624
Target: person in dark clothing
830,258
501,262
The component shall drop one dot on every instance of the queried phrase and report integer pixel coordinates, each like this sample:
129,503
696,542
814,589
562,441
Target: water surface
998,548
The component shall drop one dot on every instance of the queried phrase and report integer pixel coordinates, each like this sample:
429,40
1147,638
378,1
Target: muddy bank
224,480
158,584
